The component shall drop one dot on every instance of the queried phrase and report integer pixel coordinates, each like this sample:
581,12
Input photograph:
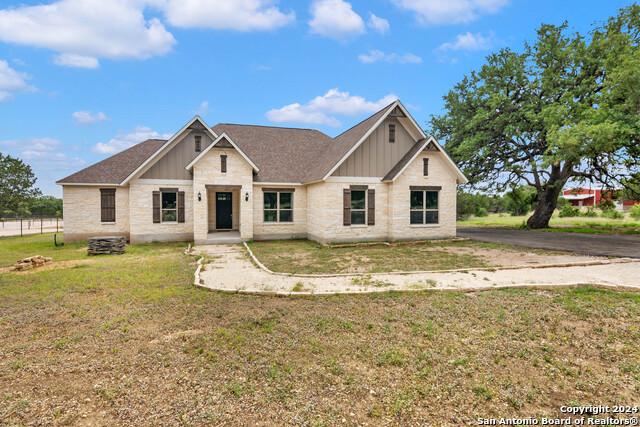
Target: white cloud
203,109
84,30
335,19
439,12
239,15
378,55
321,109
470,41
77,61
12,81
37,144
88,118
126,139
47,160
378,24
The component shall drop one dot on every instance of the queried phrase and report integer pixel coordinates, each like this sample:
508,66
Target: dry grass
307,257
127,340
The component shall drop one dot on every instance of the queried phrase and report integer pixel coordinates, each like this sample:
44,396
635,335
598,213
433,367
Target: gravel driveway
589,244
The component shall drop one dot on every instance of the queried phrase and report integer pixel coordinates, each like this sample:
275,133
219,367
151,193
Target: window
425,166
169,207
278,206
424,207
108,204
198,140
392,132
358,199
223,163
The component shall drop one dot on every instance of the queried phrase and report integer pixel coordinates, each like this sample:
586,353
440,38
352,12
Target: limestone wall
82,213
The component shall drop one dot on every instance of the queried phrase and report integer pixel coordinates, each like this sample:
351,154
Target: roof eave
210,146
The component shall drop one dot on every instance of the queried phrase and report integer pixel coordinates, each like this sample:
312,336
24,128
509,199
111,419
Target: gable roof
414,151
277,154
115,169
344,144
282,154
210,146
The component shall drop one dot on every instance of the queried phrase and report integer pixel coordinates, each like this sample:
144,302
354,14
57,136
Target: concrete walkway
231,269
627,245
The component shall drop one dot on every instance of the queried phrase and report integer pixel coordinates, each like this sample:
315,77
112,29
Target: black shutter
371,214
108,204
425,166
346,203
180,206
223,163
156,206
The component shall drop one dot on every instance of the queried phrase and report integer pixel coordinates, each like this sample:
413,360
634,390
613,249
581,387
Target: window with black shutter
108,204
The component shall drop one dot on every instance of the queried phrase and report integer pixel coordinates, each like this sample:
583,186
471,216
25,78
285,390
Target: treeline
37,206
519,201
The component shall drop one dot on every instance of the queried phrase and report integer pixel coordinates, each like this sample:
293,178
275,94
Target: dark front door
223,211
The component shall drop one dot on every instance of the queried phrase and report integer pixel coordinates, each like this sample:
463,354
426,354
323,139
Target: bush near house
635,212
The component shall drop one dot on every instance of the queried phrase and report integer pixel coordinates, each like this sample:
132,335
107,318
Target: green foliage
606,205
481,212
17,182
590,212
520,200
562,202
46,206
635,212
565,108
612,214
569,211
468,204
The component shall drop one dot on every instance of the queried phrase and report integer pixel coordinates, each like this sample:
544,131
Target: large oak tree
565,109
17,182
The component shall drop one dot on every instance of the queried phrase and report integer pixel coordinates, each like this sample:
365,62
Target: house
382,180
592,197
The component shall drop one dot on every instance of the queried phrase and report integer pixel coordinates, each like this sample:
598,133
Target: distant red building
592,197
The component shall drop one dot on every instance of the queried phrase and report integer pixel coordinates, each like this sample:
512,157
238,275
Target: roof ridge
364,120
267,126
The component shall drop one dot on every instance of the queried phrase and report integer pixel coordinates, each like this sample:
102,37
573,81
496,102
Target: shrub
590,212
480,212
612,215
635,211
569,211
606,205
562,202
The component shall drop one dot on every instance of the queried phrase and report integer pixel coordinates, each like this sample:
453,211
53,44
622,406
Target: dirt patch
509,258
56,265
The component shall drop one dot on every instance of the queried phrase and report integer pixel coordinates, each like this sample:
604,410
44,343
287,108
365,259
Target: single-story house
383,179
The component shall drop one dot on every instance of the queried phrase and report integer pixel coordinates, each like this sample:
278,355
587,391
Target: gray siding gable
172,164
376,155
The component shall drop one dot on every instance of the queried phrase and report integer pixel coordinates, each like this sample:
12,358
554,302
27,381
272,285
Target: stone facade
317,208
399,207
143,229
81,205
207,171
280,230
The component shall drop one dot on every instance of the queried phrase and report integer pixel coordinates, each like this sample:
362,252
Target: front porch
222,238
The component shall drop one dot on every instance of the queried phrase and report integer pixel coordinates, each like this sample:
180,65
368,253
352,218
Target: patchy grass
127,340
307,257
626,225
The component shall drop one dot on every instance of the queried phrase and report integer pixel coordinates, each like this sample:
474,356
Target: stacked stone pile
31,262
106,245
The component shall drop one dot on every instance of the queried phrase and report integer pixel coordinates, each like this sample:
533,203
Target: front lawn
307,257
128,340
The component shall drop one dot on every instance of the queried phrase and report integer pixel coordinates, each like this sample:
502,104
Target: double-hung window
278,206
424,206
169,206
358,206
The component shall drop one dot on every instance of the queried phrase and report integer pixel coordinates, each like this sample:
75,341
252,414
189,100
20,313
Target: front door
223,211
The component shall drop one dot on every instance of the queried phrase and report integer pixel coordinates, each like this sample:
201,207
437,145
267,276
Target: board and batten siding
376,155
172,164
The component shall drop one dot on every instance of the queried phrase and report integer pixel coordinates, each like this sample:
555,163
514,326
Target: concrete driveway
590,244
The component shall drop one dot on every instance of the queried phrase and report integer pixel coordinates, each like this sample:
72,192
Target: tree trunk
546,206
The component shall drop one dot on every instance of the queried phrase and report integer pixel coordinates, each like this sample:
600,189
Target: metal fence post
20,227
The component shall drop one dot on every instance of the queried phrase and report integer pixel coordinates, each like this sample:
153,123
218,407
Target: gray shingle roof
404,160
287,155
114,169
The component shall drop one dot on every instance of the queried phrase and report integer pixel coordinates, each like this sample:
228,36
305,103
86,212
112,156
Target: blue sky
83,79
